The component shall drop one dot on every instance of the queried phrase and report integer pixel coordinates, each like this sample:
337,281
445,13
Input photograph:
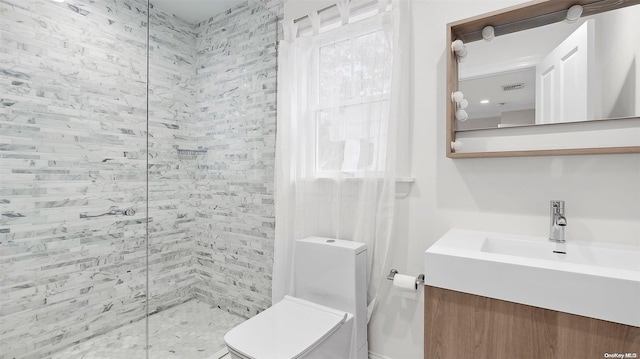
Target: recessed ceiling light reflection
484,102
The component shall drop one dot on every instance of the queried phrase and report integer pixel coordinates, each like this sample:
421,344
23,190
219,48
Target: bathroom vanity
462,325
492,295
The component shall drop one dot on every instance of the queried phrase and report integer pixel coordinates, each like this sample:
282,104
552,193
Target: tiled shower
136,161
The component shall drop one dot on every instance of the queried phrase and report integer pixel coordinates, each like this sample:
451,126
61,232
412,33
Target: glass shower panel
212,121
73,114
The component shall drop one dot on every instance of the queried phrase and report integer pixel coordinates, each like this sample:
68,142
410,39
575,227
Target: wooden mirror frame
512,19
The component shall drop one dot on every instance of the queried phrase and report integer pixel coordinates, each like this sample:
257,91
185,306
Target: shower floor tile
193,330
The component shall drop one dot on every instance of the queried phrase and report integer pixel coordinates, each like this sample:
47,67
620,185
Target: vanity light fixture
457,96
460,49
461,115
574,13
456,145
484,102
488,33
461,103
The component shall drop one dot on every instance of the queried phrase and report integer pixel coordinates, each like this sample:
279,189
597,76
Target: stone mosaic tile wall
73,154
73,137
73,157
236,101
171,175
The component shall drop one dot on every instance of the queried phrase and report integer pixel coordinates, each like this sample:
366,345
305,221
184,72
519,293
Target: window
352,109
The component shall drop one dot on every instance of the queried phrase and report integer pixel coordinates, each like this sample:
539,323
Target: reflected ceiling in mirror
500,100
561,72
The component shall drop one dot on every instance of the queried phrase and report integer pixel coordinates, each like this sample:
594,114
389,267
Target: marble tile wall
236,101
276,7
171,174
73,152
73,157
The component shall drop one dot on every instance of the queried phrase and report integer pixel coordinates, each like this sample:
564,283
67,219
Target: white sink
597,280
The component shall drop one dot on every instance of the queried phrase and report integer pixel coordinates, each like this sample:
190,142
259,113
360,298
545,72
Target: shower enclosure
137,150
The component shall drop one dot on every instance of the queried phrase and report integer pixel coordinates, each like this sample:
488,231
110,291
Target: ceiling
195,11
490,88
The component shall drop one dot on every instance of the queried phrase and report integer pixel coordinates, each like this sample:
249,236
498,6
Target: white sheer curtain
342,100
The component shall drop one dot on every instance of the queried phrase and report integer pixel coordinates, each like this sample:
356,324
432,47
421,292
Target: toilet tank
333,273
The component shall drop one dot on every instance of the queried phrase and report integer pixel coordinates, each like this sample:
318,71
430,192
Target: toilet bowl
293,328
325,317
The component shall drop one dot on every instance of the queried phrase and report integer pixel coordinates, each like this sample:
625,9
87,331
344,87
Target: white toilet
325,317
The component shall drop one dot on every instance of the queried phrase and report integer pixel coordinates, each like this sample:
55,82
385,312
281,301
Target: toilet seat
287,330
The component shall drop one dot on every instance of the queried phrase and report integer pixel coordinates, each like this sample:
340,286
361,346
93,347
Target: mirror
540,69
503,79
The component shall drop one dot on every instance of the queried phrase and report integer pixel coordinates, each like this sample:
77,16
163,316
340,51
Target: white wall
511,195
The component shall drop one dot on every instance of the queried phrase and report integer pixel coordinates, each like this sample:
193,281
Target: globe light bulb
461,115
488,33
457,96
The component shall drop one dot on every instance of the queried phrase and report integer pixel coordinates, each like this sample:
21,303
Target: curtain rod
335,6
319,11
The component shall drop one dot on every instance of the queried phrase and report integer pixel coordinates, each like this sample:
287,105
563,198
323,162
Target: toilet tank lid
355,246
287,330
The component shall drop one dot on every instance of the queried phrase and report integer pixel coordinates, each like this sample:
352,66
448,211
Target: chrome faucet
558,222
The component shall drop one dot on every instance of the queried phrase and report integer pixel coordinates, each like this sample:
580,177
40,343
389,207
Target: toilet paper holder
419,278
